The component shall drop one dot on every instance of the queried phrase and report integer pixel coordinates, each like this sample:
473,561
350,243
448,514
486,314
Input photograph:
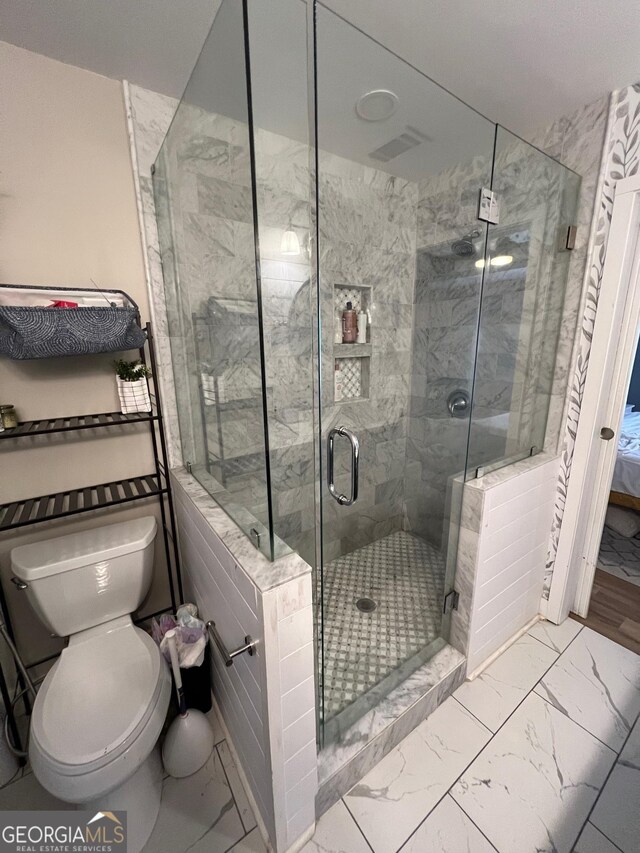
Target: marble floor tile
337,832
596,683
593,841
197,813
237,788
216,725
251,843
396,796
28,793
617,812
531,789
447,830
557,637
495,694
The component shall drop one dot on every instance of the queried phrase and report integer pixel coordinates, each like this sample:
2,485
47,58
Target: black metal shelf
74,501
34,510
47,426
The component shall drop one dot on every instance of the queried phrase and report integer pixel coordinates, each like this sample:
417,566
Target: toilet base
140,797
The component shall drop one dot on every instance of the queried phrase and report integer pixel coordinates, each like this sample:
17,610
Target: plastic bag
187,615
159,629
191,639
190,645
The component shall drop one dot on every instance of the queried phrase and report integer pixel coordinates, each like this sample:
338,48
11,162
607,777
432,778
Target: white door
615,338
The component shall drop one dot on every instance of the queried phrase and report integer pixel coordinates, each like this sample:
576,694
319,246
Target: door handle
607,433
343,500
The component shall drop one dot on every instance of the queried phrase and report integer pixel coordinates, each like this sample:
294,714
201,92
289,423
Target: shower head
465,247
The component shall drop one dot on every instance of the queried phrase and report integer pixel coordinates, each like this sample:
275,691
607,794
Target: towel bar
249,644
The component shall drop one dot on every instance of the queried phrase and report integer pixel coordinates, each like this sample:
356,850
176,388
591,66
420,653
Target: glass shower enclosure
309,171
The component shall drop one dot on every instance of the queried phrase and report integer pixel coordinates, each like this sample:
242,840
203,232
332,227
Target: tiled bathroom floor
404,575
204,813
541,753
620,556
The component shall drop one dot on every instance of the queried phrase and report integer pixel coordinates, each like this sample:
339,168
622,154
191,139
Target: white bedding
626,474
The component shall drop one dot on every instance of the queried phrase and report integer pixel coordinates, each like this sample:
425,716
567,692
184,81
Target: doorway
596,575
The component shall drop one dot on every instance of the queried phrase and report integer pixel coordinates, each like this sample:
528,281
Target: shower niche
351,362
351,378
360,298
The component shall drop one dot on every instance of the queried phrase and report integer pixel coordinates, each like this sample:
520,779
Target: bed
625,486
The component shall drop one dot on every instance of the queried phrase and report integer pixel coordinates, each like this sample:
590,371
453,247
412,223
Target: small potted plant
131,378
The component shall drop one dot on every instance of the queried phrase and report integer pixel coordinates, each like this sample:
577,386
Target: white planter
134,396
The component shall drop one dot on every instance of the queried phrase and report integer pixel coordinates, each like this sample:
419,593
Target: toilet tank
84,579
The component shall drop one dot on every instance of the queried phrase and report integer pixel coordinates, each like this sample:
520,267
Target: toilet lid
96,695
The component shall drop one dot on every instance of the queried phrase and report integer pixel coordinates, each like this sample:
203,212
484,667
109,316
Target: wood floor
614,610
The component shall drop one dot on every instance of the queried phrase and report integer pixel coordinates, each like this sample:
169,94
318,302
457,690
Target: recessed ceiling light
377,105
501,260
498,261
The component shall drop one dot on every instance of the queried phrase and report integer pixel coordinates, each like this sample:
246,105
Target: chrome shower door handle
343,500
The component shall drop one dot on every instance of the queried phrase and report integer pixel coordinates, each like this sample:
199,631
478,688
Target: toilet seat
100,709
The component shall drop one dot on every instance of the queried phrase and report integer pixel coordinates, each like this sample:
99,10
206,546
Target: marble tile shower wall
212,228
510,383
149,115
367,239
444,343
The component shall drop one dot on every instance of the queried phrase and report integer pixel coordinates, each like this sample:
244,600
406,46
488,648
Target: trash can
196,683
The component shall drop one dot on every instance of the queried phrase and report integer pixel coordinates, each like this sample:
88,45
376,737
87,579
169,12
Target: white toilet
100,710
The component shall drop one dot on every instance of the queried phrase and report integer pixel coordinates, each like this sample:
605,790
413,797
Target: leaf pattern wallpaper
623,161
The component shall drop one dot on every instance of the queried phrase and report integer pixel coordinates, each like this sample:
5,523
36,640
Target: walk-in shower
308,167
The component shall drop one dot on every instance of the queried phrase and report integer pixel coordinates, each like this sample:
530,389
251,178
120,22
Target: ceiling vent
392,149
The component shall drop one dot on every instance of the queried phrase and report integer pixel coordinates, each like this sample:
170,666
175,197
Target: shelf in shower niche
75,501
352,350
360,298
47,426
351,378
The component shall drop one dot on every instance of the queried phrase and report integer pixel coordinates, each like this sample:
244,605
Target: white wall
506,519
67,215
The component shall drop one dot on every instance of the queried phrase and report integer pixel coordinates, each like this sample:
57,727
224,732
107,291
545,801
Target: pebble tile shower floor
404,575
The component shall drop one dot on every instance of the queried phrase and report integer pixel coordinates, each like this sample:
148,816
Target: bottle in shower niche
362,327
349,324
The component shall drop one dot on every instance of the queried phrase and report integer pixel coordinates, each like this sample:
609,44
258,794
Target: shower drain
366,605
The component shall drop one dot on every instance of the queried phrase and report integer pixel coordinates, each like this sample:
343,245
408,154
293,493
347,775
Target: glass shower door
399,166
518,399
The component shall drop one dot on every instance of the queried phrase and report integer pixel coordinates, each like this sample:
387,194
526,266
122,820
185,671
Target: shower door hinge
451,600
488,206
570,241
